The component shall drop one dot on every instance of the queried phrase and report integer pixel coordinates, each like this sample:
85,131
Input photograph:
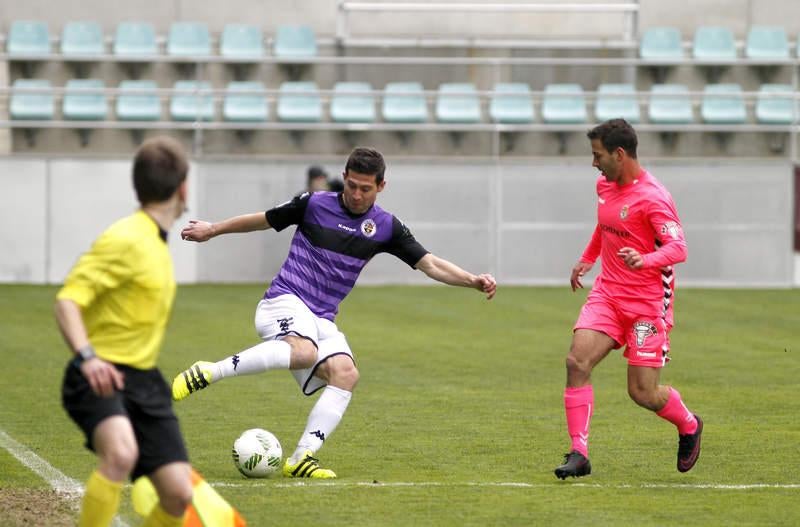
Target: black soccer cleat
575,465
689,447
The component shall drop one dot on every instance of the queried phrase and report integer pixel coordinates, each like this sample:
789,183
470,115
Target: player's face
609,163
360,191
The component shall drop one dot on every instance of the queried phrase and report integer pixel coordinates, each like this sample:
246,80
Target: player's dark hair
366,161
616,133
315,172
159,168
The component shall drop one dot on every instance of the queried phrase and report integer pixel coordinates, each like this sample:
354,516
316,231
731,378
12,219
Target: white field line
512,484
61,483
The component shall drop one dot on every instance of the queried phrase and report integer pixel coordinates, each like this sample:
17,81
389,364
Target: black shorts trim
314,371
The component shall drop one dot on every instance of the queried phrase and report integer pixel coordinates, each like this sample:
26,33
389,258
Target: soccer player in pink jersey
638,239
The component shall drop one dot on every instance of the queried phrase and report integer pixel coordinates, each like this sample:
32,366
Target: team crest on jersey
671,228
368,228
643,329
623,212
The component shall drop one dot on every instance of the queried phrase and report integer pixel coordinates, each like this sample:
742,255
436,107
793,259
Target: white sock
269,355
322,420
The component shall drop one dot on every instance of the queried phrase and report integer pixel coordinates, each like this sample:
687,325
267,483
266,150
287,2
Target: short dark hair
366,161
316,172
616,133
159,168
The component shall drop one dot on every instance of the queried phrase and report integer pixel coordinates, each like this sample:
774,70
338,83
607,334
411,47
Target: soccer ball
257,453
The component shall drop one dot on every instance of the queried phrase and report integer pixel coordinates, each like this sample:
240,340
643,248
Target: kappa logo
319,435
235,361
623,212
284,323
643,329
368,228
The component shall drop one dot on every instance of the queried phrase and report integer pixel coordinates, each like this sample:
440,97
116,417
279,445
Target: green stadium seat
293,42
240,41
404,102
458,103
776,104
714,43
660,43
616,101
511,103
353,102
82,39
142,105
564,104
188,39
723,104
245,107
31,106
670,104
299,102
135,39
767,43
81,106
28,37
192,106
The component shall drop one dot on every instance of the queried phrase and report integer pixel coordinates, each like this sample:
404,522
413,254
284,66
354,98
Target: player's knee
177,499
577,365
304,353
120,458
642,396
343,374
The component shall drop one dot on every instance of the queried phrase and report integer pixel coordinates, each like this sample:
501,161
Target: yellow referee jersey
125,287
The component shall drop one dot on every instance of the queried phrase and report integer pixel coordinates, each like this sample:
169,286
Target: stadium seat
723,104
353,102
134,39
245,107
660,43
404,102
81,106
82,39
192,106
767,43
27,37
458,102
714,43
31,106
188,39
299,102
564,104
511,104
240,41
293,42
775,104
670,104
142,105
617,101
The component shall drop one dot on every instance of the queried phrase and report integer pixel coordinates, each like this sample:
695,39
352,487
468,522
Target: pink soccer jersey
640,215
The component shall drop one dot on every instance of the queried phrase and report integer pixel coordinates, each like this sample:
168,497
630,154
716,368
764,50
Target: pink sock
578,404
676,413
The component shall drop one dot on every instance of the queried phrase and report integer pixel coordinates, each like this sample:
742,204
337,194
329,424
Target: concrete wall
527,222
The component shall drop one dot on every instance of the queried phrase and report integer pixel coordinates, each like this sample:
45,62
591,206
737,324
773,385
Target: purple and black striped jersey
331,246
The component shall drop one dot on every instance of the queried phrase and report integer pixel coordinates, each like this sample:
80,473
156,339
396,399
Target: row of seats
402,103
138,39
716,43
242,41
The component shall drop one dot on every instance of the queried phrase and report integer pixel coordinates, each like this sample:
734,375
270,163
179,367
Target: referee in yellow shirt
112,312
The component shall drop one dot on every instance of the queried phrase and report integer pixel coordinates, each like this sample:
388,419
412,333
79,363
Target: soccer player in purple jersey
337,234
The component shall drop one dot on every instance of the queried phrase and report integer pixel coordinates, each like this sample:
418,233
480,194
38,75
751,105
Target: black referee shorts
145,400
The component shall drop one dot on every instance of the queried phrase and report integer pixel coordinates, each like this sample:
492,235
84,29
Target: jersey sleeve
672,248
403,244
104,267
289,213
592,250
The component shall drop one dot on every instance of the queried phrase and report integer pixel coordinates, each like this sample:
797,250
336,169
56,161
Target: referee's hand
102,376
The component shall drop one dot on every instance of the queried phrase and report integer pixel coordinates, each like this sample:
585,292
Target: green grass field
458,418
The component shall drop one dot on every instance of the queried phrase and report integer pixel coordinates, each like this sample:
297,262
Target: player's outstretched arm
201,231
449,273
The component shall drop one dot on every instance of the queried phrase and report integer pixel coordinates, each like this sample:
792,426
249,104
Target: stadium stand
564,104
82,40
511,103
353,102
299,102
241,42
189,39
458,103
245,102
138,101
723,104
617,101
294,42
404,102
192,101
670,104
767,43
135,40
32,105
27,38
775,104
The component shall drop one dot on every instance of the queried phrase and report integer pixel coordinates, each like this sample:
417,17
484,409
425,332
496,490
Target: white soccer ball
257,453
